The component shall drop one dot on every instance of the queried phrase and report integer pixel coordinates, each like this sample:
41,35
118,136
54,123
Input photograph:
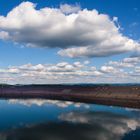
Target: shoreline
115,95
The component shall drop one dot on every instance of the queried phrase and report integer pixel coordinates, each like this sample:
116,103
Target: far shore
115,95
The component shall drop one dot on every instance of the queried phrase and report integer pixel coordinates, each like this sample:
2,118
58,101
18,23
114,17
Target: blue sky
69,52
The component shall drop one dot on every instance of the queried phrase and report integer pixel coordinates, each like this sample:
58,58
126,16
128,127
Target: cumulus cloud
126,70
68,9
108,69
137,68
4,35
128,62
78,32
49,73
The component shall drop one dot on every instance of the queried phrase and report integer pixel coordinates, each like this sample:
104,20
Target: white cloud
128,62
68,9
108,69
48,73
110,47
86,62
4,35
78,32
126,70
137,69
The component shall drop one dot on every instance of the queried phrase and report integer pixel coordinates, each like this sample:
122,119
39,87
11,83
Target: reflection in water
40,102
70,122
106,126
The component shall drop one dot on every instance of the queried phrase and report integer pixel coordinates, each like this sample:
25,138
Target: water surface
37,119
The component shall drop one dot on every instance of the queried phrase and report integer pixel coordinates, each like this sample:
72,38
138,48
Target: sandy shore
116,95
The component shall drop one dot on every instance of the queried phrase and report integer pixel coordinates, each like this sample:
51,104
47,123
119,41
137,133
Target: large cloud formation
77,32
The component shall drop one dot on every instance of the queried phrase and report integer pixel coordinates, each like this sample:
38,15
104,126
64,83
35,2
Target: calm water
56,120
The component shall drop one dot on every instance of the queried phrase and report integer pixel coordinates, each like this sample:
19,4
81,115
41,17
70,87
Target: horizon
69,84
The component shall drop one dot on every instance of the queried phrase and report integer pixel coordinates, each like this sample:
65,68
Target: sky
69,41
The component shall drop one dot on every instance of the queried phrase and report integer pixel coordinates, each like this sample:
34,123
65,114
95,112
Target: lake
37,119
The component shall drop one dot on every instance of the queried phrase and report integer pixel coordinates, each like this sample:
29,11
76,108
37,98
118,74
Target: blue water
37,119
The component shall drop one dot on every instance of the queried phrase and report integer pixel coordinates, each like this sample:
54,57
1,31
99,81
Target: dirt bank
117,95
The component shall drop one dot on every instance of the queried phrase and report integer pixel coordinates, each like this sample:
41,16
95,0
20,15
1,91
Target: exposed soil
116,95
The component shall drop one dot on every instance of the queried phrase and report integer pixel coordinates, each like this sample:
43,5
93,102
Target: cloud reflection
41,102
79,125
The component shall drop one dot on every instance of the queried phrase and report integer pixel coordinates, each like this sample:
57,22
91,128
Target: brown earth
116,95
